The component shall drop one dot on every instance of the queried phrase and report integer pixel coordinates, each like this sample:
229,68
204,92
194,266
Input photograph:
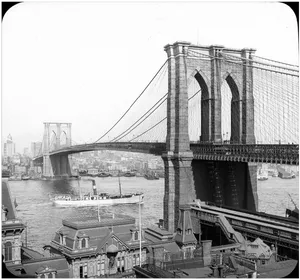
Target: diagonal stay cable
119,137
132,103
160,120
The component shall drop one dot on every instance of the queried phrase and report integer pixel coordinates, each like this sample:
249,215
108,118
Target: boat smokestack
94,187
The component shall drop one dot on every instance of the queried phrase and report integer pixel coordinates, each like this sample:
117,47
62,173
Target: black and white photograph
147,139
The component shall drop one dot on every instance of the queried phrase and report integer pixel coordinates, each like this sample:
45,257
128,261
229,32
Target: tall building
36,148
9,148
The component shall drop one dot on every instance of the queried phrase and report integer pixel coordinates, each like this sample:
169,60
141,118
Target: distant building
35,148
9,148
16,159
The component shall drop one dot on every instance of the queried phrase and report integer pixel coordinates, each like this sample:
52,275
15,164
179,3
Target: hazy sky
85,63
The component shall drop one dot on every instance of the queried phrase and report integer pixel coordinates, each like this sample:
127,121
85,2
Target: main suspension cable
132,103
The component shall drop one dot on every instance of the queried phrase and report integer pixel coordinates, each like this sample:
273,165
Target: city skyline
74,70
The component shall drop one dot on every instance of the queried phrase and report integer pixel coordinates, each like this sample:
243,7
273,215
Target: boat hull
135,199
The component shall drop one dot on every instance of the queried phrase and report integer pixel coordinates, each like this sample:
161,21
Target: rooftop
7,202
84,222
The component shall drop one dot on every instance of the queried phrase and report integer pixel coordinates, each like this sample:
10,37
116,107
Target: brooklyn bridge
212,113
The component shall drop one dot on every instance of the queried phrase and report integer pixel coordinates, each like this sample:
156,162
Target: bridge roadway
271,229
280,154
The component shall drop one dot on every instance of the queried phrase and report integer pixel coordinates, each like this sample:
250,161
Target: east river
43,219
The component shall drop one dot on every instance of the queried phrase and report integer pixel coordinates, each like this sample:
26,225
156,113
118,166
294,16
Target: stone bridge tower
208,66
54,134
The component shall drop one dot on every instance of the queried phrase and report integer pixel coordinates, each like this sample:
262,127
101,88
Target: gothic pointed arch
63,138
235,107
53,140
205,127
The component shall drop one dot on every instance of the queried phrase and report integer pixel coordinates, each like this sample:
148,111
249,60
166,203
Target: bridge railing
258,153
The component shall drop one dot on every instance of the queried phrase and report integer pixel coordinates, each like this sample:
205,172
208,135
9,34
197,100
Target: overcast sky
85,63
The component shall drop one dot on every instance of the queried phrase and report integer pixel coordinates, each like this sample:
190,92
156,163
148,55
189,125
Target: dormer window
62,239
188,231
46,272
3,213
179,231
83,243
136,235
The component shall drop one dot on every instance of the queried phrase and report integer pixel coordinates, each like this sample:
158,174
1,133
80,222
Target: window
98,267
83,243
83,270
263,262
8,251
102,267
136,235
62,239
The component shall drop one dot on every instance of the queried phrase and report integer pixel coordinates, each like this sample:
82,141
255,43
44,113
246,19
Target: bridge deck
281,154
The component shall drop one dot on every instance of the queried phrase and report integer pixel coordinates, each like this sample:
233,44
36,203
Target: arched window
83,243
136,235
8,251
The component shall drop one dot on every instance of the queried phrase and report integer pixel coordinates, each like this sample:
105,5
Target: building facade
35,148
12,229
9,148
101,247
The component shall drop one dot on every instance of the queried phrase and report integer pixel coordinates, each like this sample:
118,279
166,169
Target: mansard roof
117,231
84,222
7,201
58,264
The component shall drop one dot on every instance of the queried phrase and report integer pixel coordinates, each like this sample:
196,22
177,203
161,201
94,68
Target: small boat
129,174
25,178
103,174
292,214
262,176
96,199
151,176
283,174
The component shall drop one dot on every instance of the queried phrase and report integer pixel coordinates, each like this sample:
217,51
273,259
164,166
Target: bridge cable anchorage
159,121
119,137
132,103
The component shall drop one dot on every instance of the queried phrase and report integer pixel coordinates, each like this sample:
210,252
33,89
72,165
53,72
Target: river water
43,219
